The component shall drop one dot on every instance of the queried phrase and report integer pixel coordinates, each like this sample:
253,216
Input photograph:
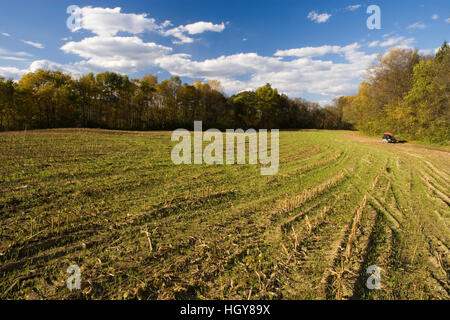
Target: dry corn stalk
144,231
354,228
295,235
294,202
308,225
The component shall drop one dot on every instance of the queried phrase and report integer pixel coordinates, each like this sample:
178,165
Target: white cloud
325,102
417,25
23,54
315,51
11,73
16,73
308,51
319,18
49,65
435,16
202,26
425,52
11,58
447,20
194,28
110,21
119,54
5,34
179,34
293,77
392,41
12,53
34,44
107,22
397,42
353,7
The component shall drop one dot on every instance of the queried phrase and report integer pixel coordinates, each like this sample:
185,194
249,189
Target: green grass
140,227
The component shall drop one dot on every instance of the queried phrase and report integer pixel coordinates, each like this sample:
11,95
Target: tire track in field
436,283
440,195
323,234
176,249
343,276
275,211
258,234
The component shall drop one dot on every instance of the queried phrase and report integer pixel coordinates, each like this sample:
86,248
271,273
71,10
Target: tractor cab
389,138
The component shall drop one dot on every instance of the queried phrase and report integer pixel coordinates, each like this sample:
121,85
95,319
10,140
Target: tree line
404,93
52,99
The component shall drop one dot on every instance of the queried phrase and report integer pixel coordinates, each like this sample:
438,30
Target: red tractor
389,138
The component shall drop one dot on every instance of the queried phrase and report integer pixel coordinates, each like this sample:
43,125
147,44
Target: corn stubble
140,227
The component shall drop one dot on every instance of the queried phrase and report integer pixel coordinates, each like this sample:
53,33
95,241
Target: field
138,226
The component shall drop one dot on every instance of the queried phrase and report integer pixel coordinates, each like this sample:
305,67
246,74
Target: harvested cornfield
138,226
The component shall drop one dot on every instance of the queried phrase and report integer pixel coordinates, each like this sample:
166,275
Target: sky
316,50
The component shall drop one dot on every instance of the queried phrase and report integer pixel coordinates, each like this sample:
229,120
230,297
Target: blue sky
316,50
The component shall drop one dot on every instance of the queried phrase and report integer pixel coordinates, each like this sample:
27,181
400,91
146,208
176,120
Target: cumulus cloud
308,51
110,21
318,18
435,16
11,73
202,26
399,42
417,25
224,66
119,54
107,22
50,65
293,77
194,28
447,20
34,44
392,41
16,73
